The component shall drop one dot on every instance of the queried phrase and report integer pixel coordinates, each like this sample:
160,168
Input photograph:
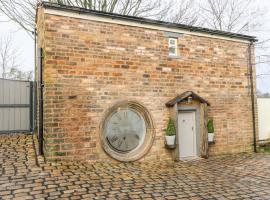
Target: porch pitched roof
184,96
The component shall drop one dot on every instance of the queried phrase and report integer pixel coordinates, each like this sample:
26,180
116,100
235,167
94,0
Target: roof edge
147,21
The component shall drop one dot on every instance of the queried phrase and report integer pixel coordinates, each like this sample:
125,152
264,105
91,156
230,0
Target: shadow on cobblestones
230,177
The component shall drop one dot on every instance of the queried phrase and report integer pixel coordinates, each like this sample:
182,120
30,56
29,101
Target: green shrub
170,131
210,126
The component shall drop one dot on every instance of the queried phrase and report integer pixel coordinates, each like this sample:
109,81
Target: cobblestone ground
234,177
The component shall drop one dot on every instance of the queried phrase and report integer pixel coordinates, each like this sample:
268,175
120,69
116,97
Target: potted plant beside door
211,132
170,133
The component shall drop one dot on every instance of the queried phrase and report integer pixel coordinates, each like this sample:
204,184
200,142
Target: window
172,47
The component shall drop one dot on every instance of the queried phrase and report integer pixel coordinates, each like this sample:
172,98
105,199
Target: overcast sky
24,44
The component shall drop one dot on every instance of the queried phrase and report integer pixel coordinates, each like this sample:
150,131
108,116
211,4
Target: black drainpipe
252,96
35,82
41,86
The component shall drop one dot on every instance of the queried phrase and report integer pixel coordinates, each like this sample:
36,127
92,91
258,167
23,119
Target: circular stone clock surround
127,122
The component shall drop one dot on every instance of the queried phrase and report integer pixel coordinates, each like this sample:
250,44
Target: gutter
252,96
41,86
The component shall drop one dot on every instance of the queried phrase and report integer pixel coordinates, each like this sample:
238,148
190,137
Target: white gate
16,106
264,118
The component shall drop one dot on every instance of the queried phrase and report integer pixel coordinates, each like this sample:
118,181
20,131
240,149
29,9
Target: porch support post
204,130
175,119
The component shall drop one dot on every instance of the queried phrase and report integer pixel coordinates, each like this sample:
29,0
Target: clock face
125,130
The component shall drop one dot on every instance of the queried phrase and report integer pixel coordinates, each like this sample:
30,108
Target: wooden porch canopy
173,106
184,96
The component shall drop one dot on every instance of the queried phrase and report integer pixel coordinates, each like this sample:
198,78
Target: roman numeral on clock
114,138
125,114
118,116
137,137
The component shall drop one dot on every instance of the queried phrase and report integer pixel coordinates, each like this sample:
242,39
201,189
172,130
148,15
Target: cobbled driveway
231,177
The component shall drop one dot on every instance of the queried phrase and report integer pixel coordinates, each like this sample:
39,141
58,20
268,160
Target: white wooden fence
16,106
264,118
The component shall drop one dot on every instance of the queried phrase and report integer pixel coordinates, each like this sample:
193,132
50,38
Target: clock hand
119,143
126,143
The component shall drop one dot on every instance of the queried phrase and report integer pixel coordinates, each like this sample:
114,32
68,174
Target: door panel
187,135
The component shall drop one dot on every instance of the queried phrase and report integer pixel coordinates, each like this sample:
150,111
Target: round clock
127,131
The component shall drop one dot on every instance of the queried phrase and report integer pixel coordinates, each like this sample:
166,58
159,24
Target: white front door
187,135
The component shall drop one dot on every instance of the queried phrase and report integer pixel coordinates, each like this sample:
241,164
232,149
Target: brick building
109,84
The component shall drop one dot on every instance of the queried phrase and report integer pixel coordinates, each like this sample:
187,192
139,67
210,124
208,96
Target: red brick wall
89,65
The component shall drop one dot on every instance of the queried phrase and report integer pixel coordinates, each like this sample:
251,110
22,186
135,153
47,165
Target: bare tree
262,94
185,12
228,15
263,48
7,55
263,59
238,16
16,74
9,61
23,12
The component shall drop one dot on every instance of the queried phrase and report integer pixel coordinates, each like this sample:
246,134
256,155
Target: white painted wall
264,118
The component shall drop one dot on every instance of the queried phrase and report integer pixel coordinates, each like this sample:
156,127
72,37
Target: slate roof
141,20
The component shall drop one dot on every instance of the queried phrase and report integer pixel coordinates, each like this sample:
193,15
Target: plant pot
211,137
170,140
